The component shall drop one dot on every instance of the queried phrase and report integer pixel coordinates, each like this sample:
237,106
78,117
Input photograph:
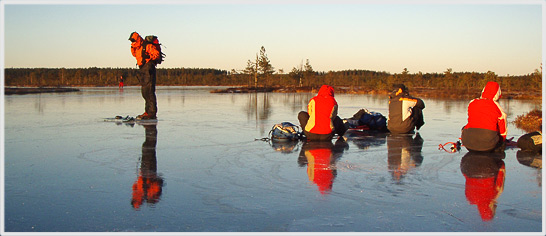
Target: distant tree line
261,73
60,77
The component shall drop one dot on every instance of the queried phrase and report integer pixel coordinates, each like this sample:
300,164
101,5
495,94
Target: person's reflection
148,186
484,174
404,154
320,158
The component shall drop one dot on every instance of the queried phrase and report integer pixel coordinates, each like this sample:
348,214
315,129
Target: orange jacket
146,190
142,55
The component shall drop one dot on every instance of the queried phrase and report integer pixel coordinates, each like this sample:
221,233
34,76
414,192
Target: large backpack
370,119
284,132
374,120
152,39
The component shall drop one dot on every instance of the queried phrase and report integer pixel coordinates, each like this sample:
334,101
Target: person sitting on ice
486,128
405,111
321,121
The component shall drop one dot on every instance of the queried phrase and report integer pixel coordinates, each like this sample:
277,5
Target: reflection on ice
533,160
404,154
367,138
225,181
484,174
321,158
285,146
149,185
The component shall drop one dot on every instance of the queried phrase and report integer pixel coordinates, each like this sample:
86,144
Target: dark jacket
405,112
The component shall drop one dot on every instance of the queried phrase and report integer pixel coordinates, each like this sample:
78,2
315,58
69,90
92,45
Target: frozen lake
201,169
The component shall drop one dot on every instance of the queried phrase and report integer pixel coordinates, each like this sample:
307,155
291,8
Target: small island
20,91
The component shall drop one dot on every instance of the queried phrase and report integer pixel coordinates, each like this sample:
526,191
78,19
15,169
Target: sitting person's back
486,127
321,120
405,111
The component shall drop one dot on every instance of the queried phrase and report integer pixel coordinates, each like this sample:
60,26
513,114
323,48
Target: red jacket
322,110
483,192
319,168
486,113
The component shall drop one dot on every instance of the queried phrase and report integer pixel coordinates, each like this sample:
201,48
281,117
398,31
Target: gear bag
284,132
372,120
152,39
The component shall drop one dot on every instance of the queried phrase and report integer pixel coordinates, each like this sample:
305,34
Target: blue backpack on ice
372,120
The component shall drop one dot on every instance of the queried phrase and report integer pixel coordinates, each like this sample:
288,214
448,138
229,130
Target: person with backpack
405,111
321,121
148,54
486,127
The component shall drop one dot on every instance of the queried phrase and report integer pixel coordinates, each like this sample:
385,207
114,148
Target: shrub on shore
530,122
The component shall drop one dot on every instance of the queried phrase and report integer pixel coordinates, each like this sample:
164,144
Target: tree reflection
484,174
148,186
39,105
258,108
321,158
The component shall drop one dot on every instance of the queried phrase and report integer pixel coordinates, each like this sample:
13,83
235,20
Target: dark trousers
417,117
482,140
147,77
339,128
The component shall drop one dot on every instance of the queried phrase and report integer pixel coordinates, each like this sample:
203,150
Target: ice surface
203,170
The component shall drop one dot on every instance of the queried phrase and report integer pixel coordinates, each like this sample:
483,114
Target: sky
421,36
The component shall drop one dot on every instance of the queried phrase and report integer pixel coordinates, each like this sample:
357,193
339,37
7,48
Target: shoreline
417,91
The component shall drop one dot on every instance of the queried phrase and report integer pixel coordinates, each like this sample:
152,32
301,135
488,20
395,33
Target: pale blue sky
426,37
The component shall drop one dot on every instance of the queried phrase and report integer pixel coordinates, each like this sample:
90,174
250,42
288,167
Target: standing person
320,122
486,127
121,82
405,111
146,55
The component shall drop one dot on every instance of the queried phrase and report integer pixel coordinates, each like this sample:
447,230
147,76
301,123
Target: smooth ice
205,168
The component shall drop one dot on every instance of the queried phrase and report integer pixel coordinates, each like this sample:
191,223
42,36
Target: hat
399,89
400,86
